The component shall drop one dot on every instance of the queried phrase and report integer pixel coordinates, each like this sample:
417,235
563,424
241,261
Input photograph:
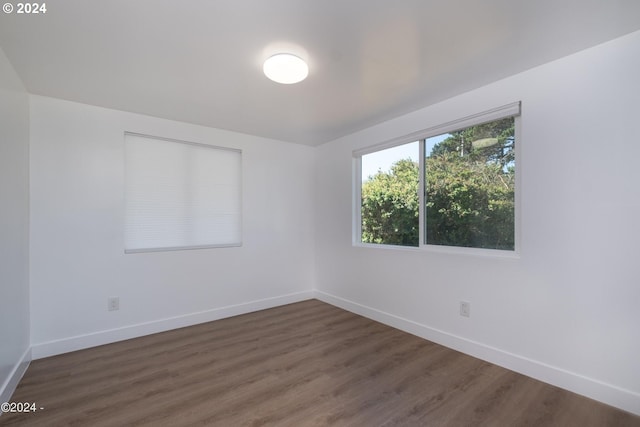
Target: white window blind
507,110
181,195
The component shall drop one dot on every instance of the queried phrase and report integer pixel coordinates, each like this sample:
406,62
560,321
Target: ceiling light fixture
285,68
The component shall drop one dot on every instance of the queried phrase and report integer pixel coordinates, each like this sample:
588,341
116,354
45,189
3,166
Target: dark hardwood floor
304,364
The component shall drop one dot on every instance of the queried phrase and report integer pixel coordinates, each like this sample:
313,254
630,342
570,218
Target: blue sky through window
382,160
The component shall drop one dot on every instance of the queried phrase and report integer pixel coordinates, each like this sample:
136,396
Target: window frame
509,110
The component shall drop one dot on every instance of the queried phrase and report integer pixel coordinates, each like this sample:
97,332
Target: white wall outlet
113,303
465,308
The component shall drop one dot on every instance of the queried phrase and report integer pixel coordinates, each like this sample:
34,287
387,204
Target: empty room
320,213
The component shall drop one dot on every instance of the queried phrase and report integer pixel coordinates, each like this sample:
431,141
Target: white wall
567,310
14,229
77,257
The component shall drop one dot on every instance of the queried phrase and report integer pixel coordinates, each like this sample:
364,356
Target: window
390,202
454,185
180,195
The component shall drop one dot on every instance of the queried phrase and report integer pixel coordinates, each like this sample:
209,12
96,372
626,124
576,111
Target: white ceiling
200,61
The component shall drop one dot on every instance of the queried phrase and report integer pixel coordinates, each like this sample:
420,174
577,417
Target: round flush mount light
285,68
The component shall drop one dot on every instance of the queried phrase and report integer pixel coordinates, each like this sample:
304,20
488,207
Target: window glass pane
390,203
470,187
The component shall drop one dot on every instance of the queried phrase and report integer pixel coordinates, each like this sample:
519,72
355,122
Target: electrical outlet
465,309
113,303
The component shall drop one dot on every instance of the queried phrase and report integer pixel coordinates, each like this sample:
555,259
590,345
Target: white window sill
453,250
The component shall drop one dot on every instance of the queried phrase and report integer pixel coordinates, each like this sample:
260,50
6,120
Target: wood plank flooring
304,364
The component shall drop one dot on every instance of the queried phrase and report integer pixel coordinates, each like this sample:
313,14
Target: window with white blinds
452,185
181,195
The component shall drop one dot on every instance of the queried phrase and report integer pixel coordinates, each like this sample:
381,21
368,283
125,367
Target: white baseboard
626,400
18,371
52,348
